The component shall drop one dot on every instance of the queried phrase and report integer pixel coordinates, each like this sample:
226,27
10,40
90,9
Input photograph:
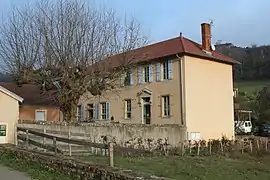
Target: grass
203,168
34,170
251,86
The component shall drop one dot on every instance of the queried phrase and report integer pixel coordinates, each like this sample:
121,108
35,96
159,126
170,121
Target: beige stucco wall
208,90
9,115
166,87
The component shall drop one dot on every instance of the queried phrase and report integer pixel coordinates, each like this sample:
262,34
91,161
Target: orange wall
28,113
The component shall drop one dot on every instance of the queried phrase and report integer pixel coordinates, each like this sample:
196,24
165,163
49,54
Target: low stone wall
74,168
125,135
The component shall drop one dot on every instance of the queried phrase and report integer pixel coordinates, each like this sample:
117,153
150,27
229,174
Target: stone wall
125,135
72,167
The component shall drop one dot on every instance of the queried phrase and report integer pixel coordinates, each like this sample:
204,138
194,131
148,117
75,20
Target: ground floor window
166,111
40,115
127,108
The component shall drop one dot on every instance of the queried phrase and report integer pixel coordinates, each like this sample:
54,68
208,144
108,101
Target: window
128,109
91,110
105,111
166,112
40,115
80,113
127,79
3,130
146,74
164,70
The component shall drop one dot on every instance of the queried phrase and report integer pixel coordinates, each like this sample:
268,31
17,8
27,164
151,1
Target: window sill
166,117
127,119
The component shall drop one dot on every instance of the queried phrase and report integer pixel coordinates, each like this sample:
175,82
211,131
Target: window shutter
150,73
97,111
158,72
170,69
140,78
131,78
122,79
107,110
82,113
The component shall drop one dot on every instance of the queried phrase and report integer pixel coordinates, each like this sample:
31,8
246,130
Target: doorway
146,110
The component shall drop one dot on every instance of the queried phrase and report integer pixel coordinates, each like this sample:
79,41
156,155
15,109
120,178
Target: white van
243,127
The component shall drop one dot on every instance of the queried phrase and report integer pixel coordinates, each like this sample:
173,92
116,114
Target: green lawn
251,86
203,168
34,170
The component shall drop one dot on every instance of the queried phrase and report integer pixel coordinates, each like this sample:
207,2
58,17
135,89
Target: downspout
182,104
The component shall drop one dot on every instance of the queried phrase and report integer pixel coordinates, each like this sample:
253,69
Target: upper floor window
127,79
145,74
164,70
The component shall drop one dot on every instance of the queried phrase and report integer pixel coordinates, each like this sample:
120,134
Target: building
37,105
9,115
176,81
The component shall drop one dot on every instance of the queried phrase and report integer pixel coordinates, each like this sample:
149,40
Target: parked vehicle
264,130
243,127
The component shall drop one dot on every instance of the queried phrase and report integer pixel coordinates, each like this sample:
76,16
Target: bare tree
69,47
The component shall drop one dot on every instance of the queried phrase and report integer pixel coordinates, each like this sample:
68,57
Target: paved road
8,174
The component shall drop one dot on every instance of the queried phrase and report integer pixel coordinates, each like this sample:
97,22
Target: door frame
142,108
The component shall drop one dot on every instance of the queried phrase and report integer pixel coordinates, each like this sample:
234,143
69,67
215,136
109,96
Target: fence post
266,145
111,154
44,131
210,147
54,145
69,145
27,138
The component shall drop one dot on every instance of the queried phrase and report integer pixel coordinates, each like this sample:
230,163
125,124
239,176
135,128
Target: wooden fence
109,147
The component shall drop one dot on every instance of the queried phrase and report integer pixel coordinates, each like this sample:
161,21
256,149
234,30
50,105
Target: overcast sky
242,22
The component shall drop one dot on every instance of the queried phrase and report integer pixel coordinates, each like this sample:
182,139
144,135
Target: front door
146,110
3,133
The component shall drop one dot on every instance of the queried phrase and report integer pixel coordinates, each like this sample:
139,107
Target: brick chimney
206,37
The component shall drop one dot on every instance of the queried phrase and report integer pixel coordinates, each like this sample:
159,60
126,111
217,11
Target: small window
166,112
40,115
3,130
127,80
103,111
79,112
128,109
91,111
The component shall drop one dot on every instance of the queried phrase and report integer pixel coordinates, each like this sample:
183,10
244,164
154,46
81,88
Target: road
8,174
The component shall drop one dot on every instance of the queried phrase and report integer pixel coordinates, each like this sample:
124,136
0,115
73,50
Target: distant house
177,81
37,105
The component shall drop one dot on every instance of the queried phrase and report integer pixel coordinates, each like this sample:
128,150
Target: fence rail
55,139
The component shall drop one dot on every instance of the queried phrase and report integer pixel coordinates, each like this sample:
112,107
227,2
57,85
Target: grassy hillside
251,86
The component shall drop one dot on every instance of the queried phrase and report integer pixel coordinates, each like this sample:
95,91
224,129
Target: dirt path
8,174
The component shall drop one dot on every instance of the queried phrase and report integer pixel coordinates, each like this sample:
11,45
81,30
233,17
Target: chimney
206,37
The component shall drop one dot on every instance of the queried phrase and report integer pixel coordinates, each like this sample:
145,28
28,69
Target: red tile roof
31,94
178,45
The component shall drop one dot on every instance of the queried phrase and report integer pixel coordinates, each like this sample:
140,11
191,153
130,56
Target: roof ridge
183,44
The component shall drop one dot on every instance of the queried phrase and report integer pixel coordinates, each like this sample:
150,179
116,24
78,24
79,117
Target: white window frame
128,108
41,110
165,70
103,111
166,106
146,73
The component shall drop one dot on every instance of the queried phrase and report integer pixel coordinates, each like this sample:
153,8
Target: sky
241,22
